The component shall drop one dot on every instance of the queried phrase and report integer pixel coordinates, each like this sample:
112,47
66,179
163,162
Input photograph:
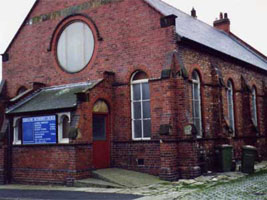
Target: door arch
101,135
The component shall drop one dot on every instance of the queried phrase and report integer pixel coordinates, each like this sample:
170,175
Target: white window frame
16,140
254,106
60,116
133,82
197,82
230,105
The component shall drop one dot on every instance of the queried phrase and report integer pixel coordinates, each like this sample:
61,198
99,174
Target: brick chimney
223,23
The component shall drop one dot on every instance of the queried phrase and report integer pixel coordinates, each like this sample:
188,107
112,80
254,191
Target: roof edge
22,24
188,41
248,46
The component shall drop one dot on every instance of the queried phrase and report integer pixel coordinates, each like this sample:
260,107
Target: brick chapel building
134,84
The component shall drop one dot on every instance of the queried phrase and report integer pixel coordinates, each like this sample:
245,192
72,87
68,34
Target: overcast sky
248,17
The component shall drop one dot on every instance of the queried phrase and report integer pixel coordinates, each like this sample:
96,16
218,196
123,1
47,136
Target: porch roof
52,98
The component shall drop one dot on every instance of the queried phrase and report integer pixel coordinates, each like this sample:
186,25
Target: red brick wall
128,42
2,163
132,40
214,131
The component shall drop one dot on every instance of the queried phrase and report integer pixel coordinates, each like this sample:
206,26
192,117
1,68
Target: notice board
39,130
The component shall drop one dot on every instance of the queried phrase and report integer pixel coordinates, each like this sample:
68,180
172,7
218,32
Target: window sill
64,141
141,139
17,142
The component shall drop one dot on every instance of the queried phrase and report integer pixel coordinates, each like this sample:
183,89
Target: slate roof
51,98
202,33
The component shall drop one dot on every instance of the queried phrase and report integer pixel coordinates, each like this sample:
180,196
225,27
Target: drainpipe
9,152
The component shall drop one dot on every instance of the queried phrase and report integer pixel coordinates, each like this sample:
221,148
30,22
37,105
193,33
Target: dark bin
224,157
248,158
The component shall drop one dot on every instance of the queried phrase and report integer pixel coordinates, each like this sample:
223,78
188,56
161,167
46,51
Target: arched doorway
101,135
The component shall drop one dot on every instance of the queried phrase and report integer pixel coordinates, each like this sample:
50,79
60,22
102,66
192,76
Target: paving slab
126,178
92,182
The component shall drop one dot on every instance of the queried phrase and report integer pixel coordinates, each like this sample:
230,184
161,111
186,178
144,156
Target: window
75,47
140,102
100,112
230,103
63,127
196,98
254,106
17,130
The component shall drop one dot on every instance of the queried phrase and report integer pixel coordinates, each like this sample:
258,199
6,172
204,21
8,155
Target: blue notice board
39,130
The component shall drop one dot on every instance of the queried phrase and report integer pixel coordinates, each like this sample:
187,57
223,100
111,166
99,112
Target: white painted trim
230,105
254,106
132,107
198,83
62,140
16,141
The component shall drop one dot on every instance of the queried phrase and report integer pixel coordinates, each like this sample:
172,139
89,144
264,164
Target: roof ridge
23,101
205,34
183,12
68,85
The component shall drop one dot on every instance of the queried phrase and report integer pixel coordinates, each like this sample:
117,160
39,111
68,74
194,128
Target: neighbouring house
133,84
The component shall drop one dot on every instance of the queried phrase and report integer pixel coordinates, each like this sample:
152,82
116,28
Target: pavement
60,195
229,185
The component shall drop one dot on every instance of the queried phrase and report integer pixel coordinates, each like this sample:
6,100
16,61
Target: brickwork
2,163
128,37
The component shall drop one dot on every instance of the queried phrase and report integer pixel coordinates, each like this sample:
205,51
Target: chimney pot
193,13
221,15
225,16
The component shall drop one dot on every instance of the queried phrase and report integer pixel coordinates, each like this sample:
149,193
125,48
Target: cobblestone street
248,188
220,186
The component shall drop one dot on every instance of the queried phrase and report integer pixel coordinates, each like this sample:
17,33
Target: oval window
75,47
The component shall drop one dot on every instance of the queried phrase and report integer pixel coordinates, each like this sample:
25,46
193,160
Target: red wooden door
101,141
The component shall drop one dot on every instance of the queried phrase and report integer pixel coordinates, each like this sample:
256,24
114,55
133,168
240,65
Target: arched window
196,98
140,103
63,127
17,130
254,106
66,127
230,103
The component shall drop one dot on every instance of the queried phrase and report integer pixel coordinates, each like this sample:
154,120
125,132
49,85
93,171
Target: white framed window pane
146,109
254,106
137,128
147,128
145,91
197,123
137,110
196,91
136,91
230,104
196,109
196,102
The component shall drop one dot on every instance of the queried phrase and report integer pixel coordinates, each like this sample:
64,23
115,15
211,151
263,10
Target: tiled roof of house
204,34
51,98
